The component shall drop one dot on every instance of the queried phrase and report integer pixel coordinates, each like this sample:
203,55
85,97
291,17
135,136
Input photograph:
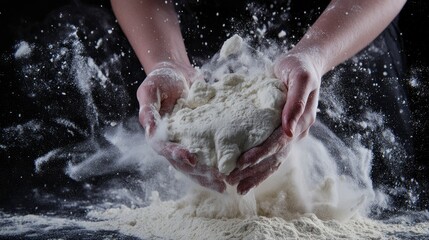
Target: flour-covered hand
157,96
159,92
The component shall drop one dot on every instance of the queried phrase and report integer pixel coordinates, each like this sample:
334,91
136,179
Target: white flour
305,198
165,220
172,220
220,121
23,50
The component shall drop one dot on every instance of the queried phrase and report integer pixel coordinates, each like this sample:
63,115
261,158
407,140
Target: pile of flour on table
236,109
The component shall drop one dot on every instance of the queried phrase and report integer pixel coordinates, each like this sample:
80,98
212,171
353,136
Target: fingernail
244,192
191,162
289,132
288,127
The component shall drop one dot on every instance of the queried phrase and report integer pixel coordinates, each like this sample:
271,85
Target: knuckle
299,107
301,103
146,130
305,79
276,164
304,76
147,86
142,119
299,78
143,90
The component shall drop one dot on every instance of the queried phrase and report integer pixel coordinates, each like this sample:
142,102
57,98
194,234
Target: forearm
344,28
153,30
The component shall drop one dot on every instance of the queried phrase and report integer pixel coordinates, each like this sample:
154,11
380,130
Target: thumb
149,101
147,120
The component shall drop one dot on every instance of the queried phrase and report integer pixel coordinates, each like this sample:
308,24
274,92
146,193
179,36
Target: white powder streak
23,50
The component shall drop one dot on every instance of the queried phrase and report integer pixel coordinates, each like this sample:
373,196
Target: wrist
310,59
311,55
183,70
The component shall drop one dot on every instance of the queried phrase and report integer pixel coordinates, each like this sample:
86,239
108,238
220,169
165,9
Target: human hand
157,96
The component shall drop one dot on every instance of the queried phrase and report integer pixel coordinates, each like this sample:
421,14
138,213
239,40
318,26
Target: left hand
157,96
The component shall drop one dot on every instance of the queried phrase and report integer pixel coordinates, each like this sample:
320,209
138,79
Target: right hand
157,96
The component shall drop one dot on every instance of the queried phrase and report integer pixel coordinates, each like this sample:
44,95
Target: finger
263,173
170,94
299,88
147,120
204,175
176,154
207,182
149,101
209,178
303,134
212,172
206,179
238,175
148,94
270,146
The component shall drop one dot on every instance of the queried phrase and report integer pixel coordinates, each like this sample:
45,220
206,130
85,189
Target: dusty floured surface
171,220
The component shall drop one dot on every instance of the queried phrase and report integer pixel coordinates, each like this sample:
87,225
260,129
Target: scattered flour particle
23,50
99,42
281,34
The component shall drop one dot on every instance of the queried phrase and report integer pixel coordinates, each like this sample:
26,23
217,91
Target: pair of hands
168,82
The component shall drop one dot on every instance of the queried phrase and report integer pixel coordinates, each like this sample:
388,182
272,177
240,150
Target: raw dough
220,121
